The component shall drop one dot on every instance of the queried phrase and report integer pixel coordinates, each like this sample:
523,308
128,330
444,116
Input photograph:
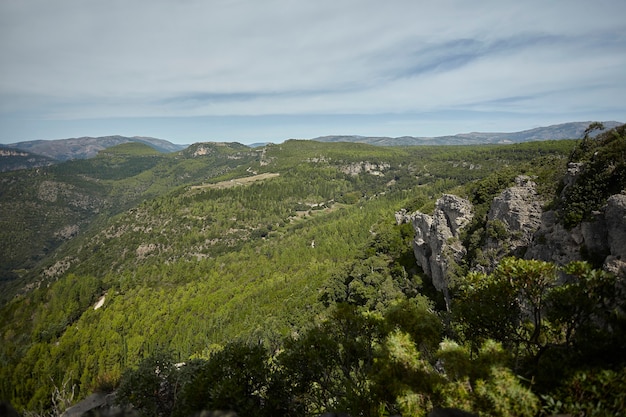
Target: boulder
94,401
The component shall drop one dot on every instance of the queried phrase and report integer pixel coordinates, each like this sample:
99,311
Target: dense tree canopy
296,293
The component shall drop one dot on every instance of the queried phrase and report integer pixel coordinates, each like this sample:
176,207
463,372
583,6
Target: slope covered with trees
294,293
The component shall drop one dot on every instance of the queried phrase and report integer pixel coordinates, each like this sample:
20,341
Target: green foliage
483,384
304,269
587,322
329,367
589,300
43,210
404,378
597,393
416,318
234,378
496,229
503,395
129,149
603,173
483,191
65,303
150,388
39,211
383,273
508,305
485,307
552,329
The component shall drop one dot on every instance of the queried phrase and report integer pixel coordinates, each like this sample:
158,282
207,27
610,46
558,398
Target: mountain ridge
87,146
570,130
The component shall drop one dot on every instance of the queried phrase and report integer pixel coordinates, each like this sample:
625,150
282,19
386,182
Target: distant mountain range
87,147
573,130
31,154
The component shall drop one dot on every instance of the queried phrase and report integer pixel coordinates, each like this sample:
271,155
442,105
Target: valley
290,259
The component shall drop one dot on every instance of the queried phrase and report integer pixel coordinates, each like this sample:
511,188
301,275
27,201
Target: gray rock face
598,239
519,207
513,218
553,243
455,211
517,226
603,238
93,402
615,217
436,244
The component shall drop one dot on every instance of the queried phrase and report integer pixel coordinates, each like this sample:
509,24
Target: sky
257,71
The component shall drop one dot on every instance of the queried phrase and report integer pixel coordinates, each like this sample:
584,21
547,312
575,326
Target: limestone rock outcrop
516,225
519,207
513,218
94,402
615,218
436,245
601,240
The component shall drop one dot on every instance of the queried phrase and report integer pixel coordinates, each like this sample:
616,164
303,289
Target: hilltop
87,147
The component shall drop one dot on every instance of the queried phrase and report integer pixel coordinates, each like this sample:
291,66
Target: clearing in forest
236,181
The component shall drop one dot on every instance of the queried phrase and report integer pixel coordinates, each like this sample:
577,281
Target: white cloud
88,59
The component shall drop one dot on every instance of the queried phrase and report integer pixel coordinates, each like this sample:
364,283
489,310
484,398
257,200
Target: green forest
275,281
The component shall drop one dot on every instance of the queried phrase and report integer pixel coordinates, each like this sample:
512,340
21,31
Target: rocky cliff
513,219
601,240
437,246
516,225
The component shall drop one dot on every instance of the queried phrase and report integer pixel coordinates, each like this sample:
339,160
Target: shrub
599,393
151,387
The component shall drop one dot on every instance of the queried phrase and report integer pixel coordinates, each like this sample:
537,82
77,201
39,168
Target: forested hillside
15,159
275,281
44,208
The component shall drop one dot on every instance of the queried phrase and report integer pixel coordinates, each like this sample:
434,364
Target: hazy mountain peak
88,147
572,130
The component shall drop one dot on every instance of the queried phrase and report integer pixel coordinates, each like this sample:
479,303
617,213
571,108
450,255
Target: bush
234,378
503,395
151,388
603,174
599,393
